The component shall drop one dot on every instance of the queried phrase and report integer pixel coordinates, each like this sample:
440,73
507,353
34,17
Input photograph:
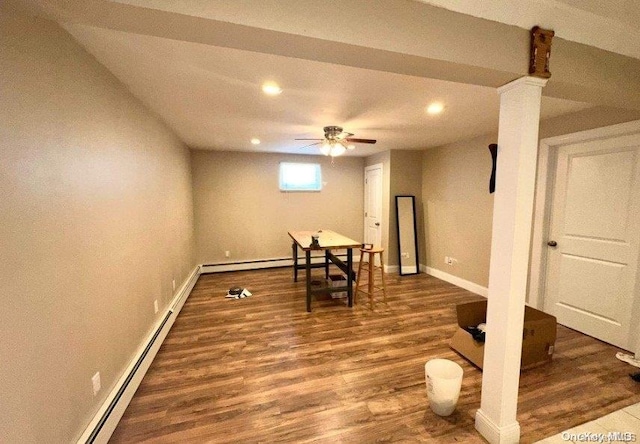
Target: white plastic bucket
444,379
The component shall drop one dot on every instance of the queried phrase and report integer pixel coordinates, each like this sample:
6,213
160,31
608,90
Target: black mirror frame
415,235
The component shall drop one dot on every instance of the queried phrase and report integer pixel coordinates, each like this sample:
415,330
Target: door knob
377,224
552,243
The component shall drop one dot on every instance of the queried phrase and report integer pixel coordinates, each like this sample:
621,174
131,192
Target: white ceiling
211,95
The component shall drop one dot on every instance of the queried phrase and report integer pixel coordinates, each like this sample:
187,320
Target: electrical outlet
155,306
446,260
95,381
173,284
227,254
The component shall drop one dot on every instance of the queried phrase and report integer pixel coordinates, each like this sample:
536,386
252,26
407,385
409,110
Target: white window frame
288,186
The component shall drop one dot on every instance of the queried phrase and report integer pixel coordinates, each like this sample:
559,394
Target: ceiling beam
399,36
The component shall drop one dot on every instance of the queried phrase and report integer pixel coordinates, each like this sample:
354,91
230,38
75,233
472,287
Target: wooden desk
328,240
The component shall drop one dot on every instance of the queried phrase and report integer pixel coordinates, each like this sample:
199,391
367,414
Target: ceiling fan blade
344,135
355,140
307,146
309,139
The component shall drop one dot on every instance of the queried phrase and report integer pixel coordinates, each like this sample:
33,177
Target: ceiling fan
336,141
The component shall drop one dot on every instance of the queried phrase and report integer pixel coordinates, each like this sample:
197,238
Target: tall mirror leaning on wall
408,262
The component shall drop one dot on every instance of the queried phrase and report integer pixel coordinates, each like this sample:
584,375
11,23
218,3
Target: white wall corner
457,281
509,434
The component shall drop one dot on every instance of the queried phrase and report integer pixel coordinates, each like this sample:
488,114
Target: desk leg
350,276
326,264
308,273
294,248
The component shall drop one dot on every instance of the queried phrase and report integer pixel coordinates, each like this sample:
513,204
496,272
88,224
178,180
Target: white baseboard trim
406,270
497,435
264,263
108,415
410,270
455,280
391,268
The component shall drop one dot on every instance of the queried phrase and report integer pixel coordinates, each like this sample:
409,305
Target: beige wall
457,205
458,208
239,207
96,221
405,179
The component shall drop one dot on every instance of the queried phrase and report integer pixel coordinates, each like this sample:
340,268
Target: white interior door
595,221
373,205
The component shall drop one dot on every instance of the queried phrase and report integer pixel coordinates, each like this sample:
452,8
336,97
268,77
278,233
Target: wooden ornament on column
540,52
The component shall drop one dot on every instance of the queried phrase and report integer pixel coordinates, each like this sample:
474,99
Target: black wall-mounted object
493,148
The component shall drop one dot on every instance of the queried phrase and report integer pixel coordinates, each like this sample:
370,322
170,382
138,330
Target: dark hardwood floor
262,369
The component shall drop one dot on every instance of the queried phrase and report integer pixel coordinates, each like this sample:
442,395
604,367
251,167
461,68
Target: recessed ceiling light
271,88
435,108
255,141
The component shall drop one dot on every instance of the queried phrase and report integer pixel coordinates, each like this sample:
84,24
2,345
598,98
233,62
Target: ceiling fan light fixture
336,141
338,150
325,148
271,88
332,148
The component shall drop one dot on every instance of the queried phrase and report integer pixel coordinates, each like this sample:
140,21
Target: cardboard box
337,280
538,336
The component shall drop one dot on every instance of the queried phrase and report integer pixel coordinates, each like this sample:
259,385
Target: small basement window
300,176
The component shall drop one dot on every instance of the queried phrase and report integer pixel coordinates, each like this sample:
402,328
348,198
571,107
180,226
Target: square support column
510,246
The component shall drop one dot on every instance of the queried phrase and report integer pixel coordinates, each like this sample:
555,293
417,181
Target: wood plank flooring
262,369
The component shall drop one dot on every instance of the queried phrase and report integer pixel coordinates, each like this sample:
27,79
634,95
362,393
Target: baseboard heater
130,376
263,263
106,419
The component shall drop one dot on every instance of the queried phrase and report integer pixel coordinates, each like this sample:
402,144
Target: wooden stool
370,266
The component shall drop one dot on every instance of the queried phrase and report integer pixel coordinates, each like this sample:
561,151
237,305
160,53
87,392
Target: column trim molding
495,434
526,80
